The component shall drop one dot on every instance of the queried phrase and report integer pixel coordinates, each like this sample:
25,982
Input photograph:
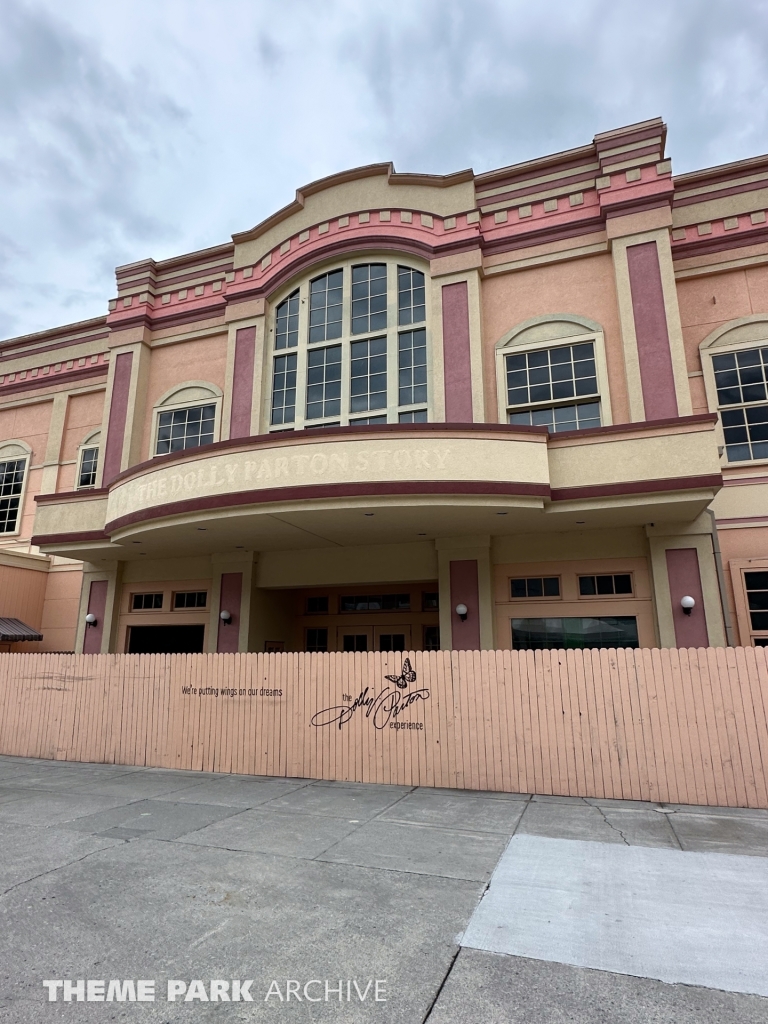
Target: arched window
188,416
14,463
551,372
352,363
88,462
735,366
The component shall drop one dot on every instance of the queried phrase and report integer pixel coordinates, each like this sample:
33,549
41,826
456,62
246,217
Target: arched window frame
178,397
554,330
740,335
10,451
393,411
92,440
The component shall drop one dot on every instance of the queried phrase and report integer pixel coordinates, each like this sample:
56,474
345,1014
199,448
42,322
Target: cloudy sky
156,127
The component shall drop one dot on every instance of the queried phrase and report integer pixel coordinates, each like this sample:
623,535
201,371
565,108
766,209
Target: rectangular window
324,382
548,633
143,602
89,463
561,417
325,301
369,298
368,375
355,642
411,307
317,606
317,640
11,483
412,367
376,603
185,428
190,599
392,641
287,322
284,389
416,416
741,378
368,421
431,638
553,376
535,586
617,583
430,602
757,599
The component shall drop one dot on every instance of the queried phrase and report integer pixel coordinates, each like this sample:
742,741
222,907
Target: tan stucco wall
83,416
317,462
202,359
28,423
582,286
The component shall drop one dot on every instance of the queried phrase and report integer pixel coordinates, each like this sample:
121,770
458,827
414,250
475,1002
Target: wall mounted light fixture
462,611
90,619
687,604
226,617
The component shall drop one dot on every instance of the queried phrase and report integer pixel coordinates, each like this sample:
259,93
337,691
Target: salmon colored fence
679,726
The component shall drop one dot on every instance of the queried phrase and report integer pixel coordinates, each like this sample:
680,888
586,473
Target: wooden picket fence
677,726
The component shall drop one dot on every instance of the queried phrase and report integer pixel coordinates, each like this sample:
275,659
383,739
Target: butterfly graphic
407,675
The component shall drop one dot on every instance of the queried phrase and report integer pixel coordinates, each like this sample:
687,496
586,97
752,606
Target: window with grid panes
324,382
287,322
325,306
185,428
284,389
756,584
369,298
89,463
338,384
11,485
553,387
368,375
740,379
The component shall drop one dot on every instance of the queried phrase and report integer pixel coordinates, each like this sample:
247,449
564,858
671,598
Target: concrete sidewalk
112,872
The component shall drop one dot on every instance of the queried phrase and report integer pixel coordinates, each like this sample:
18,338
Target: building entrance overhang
390,484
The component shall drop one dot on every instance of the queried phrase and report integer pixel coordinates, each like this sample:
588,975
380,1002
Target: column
683,565
100,596
464,577
231,584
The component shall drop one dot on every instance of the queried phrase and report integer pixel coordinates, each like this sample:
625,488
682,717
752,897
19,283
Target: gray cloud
151,129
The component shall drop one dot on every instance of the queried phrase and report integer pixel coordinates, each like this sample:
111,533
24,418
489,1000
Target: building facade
535,395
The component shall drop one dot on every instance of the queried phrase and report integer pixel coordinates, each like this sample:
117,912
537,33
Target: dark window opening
535,586
355,642
317,640
317,606
616,583
190,599
142,602
376,603
431,638
430,602
166,639
392,642
88,466
757,600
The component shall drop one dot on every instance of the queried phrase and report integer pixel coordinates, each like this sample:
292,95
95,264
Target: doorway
166,639
374,638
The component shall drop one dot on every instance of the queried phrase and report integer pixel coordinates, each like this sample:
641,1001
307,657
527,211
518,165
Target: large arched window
552,372
188,416
350,347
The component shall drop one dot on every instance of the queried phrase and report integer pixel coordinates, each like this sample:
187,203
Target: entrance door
392,638
374,638
165,639
355,638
